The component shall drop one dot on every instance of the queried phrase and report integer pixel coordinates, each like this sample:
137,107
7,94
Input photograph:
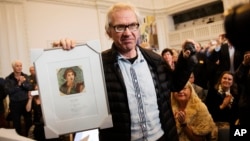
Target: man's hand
246,60
187,52
66,44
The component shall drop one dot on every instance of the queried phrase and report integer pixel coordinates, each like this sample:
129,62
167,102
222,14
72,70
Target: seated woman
222,100
193,121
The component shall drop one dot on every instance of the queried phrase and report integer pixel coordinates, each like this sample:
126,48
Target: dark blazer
15,92
224,60
214,100
163,81
3,95
201,70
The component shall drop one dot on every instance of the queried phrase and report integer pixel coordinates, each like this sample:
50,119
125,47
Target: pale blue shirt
145,121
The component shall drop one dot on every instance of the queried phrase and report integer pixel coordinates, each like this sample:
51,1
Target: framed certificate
72,89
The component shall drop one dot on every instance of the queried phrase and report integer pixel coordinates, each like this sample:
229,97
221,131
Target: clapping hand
246,60
20,80
181,117
227,101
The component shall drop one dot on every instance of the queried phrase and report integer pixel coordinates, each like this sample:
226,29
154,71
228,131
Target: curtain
13,36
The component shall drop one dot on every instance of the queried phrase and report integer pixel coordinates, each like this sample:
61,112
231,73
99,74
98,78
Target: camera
190,46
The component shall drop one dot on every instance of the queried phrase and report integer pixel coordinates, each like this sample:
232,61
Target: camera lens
190,46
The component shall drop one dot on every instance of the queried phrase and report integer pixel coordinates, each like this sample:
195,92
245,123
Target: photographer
237,27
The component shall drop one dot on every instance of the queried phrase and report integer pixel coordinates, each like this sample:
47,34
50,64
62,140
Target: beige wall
27,25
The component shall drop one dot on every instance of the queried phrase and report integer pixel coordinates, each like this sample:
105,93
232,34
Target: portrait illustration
70,80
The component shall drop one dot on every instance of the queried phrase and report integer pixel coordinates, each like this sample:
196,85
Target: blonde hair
193,96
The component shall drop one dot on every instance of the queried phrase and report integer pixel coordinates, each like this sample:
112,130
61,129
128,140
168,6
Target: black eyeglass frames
122,28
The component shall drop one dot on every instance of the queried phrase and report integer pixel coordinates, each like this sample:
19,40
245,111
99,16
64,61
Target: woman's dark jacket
215,99
163,81
3,95
17,93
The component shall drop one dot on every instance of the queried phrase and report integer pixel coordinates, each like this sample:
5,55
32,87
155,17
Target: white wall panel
13,37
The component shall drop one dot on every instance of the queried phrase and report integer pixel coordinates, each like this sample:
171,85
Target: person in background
3,94
193,119
222,99
201,72
236,24
37,130
226,56
202,94
242,76
138,81
34,104
167,55
237,20
32,77
18,86
222,102
211,66
175,54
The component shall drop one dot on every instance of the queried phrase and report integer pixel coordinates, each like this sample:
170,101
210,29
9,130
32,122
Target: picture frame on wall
72,89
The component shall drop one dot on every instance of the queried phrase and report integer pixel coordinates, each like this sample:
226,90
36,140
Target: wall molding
77,3
200,33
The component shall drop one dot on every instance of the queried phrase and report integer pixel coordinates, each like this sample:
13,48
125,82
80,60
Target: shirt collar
139,54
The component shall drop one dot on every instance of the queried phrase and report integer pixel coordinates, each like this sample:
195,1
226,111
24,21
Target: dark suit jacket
3,94
214,100
201,70
224,60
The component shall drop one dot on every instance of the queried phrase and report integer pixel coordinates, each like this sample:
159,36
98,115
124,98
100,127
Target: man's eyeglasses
122,28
